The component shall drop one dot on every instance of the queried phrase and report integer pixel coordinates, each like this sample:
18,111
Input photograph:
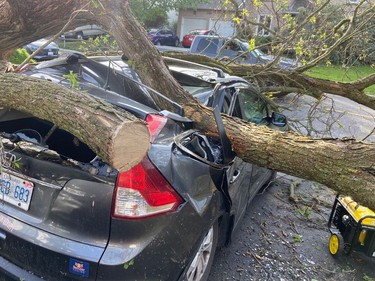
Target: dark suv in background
67,215
163,37
236,50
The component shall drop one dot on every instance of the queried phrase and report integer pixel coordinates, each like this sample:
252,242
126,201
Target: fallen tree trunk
347,166
118,137
122,140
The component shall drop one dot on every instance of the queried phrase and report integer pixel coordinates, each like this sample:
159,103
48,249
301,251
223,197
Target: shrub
19,56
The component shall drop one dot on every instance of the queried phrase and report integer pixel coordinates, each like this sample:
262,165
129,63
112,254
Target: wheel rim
199,265
333,244
158,43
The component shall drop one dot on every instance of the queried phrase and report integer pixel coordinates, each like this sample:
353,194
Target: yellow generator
355,223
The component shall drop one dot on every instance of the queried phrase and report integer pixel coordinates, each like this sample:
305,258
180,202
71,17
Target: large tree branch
116,136
292,80
18,24
365,82
341,165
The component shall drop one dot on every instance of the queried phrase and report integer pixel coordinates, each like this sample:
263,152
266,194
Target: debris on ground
284,236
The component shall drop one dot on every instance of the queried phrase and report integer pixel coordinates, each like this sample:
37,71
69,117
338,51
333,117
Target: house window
265,20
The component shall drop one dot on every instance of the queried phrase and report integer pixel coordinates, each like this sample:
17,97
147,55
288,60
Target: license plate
16,191
50,53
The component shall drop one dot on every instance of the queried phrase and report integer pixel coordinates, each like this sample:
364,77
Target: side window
91,77
208,45
254,106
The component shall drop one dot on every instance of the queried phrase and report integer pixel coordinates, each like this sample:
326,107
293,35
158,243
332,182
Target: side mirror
278,119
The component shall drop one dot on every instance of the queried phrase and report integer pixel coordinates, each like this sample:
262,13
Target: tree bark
347,166
24,21
118,137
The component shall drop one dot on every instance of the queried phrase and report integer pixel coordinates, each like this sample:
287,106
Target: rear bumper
44,254
9,271
160,251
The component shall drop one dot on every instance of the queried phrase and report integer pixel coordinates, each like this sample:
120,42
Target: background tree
153,14
149,13
347,165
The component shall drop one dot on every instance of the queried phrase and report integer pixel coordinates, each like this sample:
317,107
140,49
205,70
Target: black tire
204,256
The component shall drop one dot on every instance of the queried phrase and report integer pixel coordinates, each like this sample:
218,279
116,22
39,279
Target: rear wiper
28,135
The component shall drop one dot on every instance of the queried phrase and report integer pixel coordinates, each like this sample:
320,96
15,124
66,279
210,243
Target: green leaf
128,264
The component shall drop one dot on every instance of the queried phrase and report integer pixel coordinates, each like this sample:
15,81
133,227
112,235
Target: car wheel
79,35
158,43
200,267
176,43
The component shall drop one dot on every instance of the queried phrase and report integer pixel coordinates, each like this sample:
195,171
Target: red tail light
143,192
155,124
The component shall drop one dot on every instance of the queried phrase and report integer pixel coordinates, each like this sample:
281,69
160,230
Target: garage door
222,27
188,24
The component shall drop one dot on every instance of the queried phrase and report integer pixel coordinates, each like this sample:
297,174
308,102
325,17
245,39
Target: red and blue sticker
79,268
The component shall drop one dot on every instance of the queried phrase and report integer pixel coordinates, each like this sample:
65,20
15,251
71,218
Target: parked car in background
67,215
163,37
236,50
189,37
85,31
51,51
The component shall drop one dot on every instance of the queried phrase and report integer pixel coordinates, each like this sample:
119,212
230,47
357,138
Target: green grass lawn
70,45
340,74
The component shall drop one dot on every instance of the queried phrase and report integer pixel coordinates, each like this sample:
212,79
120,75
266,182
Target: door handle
235,176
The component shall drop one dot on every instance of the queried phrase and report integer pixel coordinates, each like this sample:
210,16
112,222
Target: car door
244,179
169,38
254,108
238,172
163,37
